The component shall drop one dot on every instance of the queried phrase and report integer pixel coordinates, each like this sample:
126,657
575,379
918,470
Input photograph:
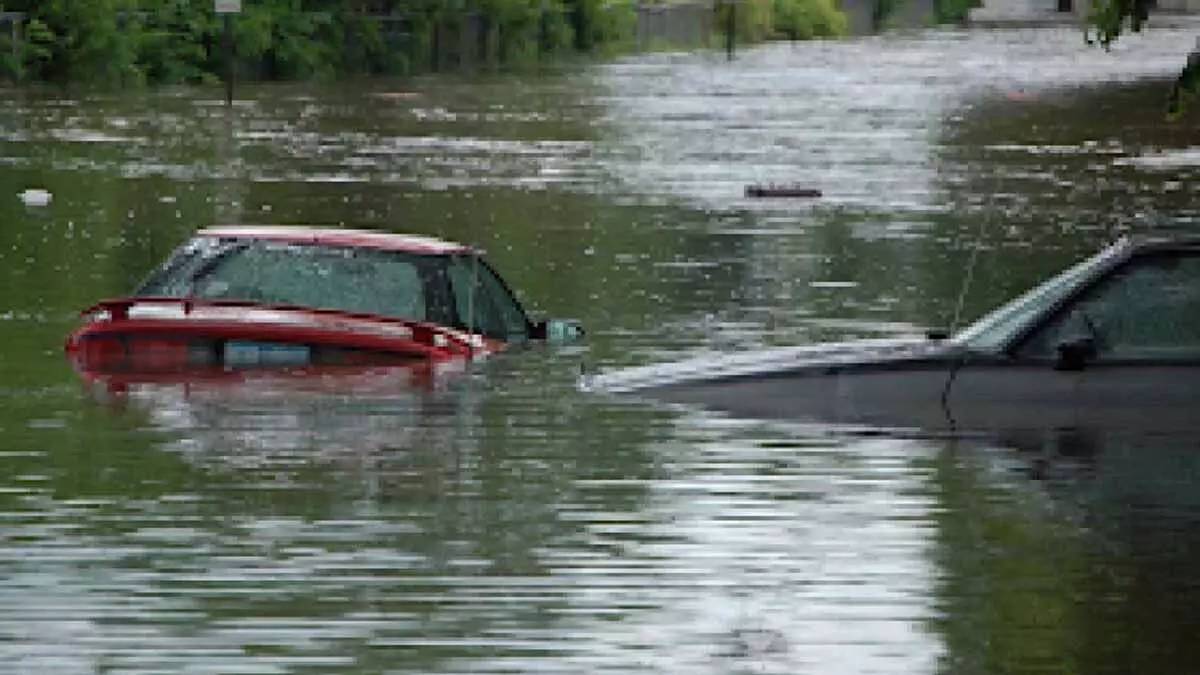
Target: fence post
17,36
466,27
543,41
637,26
484,29
227,48
435,42
578,22
496,40
730,28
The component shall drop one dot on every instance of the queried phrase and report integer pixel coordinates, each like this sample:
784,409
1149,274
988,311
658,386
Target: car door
1001,394
1132,343
483,301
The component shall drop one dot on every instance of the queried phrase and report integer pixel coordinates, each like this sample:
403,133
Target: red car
255,296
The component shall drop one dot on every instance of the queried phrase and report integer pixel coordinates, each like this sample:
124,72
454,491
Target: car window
386,283
1149,308
1000,326
173,277
484,302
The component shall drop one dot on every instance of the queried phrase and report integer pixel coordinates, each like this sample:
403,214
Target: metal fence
458,41
470,39
678,24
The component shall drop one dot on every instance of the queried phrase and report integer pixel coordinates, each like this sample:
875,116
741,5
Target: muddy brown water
502,521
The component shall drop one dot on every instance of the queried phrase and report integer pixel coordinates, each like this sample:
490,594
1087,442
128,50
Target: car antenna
968,277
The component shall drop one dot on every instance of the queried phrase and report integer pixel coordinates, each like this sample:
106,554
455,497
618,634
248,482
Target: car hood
762,362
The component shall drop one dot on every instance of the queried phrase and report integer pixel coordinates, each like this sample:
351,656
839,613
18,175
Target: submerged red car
254,296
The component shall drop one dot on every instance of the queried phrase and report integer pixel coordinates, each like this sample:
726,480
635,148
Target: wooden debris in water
782,190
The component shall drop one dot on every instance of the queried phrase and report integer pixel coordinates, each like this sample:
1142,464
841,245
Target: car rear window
387,283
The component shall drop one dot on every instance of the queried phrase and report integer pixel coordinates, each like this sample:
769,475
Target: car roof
1161,243
336,236
1175,233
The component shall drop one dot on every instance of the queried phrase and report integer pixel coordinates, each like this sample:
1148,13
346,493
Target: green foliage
807,19
173,42
31,52
132,42
277,40
880,12
758,20
1187,87
953,11
753,19
596,22
1109,19
87,42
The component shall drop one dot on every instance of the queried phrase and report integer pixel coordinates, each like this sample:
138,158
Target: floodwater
502,520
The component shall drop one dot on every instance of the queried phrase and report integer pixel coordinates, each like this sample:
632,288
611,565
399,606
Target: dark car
1112,342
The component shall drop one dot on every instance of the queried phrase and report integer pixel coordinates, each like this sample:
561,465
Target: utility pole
226,9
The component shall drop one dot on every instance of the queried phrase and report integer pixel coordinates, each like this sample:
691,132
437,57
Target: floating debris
782,190
35,197
394,95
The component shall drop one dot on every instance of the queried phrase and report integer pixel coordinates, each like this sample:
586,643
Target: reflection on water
1072,551
273,533
498,520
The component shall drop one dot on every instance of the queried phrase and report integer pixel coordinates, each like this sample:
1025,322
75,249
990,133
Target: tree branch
1109,19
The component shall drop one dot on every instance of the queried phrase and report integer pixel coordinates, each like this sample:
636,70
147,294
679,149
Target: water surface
502,521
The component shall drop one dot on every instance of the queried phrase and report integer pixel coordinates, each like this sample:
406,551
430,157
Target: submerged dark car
1111,343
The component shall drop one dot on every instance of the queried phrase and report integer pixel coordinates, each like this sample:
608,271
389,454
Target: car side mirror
557,331
1075,353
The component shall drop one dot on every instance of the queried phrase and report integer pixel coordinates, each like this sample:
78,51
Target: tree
1110,18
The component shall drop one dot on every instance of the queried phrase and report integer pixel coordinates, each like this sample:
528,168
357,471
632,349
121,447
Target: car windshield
997,328
387,283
